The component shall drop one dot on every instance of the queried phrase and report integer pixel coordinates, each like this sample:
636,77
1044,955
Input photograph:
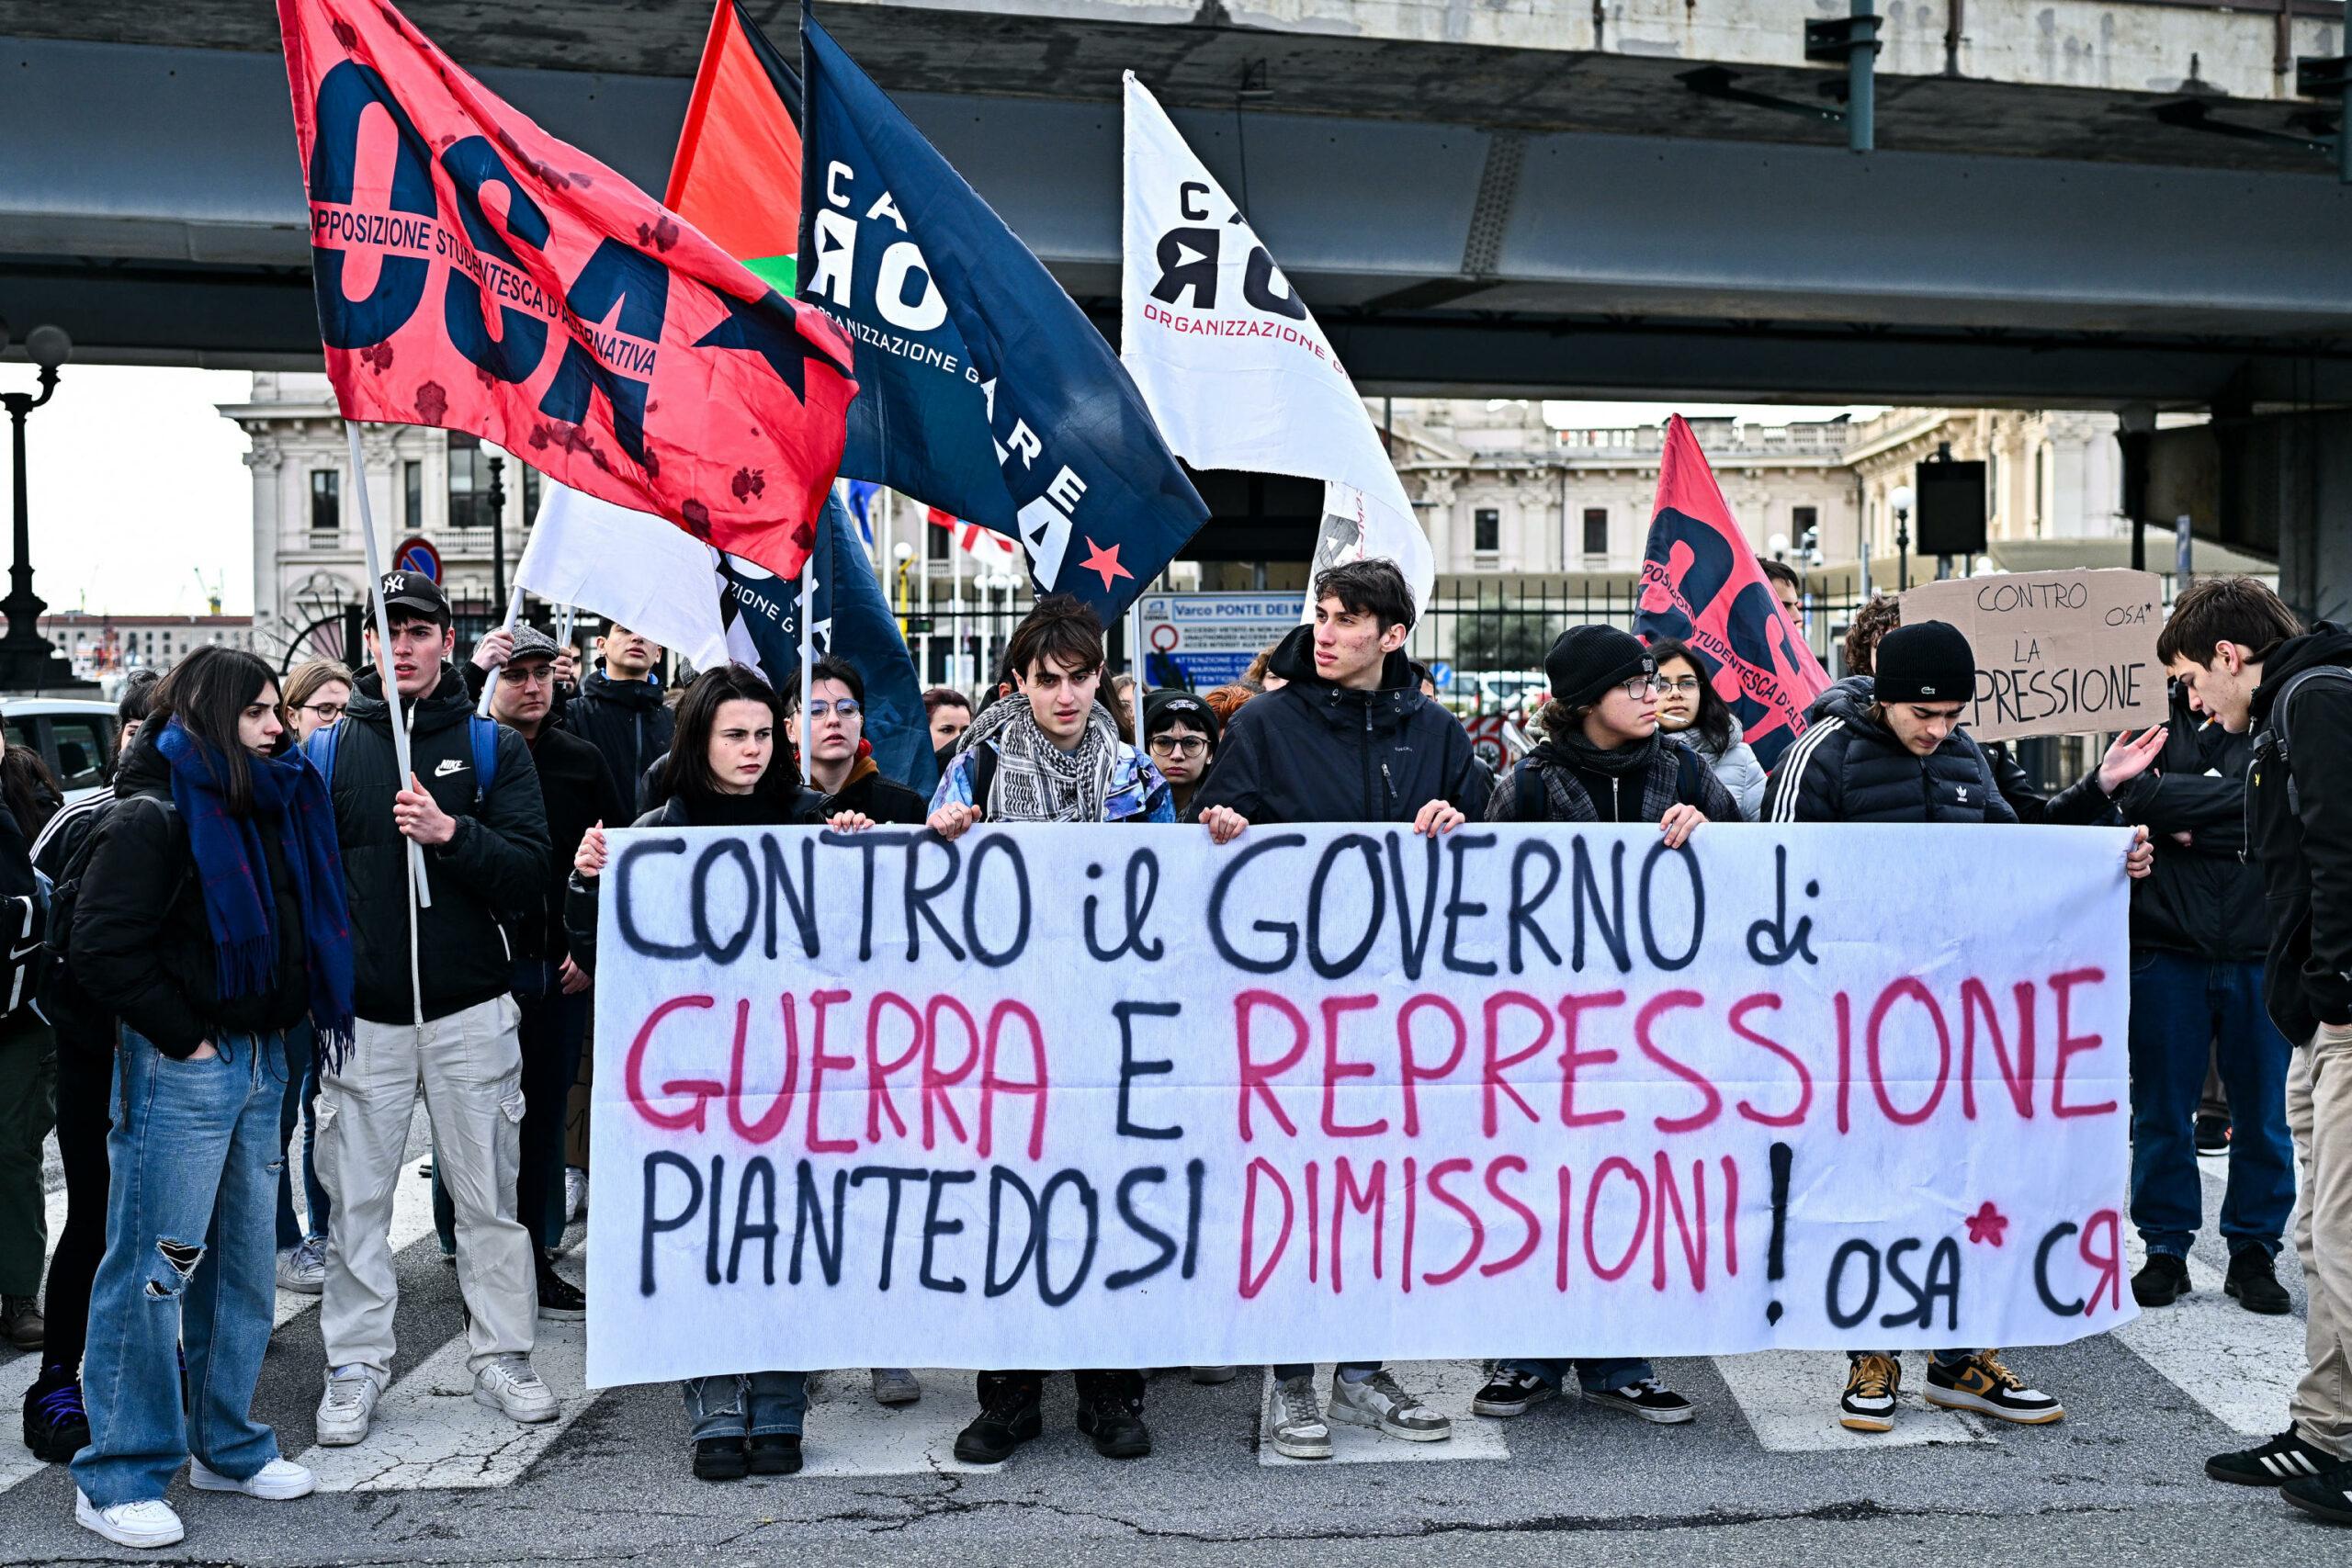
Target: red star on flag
1104,561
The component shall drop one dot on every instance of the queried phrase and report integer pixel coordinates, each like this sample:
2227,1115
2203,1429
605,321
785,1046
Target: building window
1596,530
941,538
530,494
326,501
2040,481
1803,520
412,495
1487,530
468,482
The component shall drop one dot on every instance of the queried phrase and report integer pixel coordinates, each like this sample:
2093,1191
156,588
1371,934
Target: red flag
472,272
1702,582
970,537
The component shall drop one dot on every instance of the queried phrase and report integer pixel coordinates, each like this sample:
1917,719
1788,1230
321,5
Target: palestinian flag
736,175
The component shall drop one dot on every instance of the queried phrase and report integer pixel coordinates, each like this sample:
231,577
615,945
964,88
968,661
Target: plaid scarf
239,904
1037,780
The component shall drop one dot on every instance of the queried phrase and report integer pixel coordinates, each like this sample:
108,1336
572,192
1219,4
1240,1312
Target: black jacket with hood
578,794
493,873
1313,752
140,939
627,723
2299,831
2202,900
1848,767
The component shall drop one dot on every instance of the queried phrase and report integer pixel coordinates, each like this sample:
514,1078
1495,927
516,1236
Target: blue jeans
1595,1374
550,1031
193,1156
2181,1009
746,1404
300,1102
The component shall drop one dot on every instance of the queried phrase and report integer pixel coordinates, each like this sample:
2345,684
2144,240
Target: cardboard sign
1061,1096
2057,652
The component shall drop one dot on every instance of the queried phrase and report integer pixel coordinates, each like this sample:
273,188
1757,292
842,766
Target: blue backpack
482,732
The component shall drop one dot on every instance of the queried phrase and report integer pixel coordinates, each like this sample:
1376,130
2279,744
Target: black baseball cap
1173,704
417,593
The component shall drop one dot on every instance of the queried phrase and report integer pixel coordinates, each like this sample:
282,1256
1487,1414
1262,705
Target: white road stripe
851,1435
2239,1365
1448,1386
1790,1399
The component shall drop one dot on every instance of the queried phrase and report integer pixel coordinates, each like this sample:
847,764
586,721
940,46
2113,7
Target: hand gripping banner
1071,1097
474,273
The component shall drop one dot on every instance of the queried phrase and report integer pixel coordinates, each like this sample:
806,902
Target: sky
138,484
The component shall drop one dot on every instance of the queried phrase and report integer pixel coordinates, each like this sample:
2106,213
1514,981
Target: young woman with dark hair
212,920
1694,712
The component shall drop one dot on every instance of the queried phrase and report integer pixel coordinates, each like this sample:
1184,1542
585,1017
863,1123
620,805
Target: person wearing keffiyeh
1051,753
213,920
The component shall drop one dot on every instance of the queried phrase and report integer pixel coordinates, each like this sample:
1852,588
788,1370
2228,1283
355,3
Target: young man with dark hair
619,711
1051,753
1891,747
1347,737
830,732
432,989
2246,661
1788,588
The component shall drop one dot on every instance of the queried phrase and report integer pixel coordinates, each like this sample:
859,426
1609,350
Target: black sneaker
2162,1280
777,1453
1116,1423
1983,1384
2327,1495
56,1427
561,1301
1511,1394
2254,1279
719,1459
1650,1399
2283,1459
2212,1134
1006,1422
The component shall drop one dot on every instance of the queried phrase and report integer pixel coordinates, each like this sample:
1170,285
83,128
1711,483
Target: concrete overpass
1497,195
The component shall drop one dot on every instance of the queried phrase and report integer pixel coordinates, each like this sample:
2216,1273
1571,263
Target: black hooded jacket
2202,900
1848,767
627,723
578,794
2298,832
494,870
140,939
1313,752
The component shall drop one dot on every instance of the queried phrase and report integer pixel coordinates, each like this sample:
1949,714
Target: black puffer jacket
578,794
2299,831
627,722
1848,767
140,939
883,799
781,802
2202,900
495,869
1313,752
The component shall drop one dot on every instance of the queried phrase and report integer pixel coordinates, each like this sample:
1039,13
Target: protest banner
1054,1096
2057,652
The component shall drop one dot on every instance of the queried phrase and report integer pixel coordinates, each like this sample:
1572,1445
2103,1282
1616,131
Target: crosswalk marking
851,1435
1790,1398
1448,1386
2239,1365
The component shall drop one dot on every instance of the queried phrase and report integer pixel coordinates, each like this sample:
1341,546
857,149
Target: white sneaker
147,1524
276,1482
1299,1431
510,1386
1377,1401
350,1400
302,1268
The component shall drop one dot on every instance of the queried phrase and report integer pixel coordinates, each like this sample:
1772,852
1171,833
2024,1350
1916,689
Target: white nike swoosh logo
448,766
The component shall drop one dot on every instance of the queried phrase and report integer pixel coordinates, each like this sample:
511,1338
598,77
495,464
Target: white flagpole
513,613
1135,665
809,622
955,612
417,884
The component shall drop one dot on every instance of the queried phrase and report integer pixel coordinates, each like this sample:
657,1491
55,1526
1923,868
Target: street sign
1208,639
419,556
1443,673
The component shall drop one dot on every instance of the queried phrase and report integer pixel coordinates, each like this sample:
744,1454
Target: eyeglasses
1643,686
329,711
1186,746
846,708
1682,683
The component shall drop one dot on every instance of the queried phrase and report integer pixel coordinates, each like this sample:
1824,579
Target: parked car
74,736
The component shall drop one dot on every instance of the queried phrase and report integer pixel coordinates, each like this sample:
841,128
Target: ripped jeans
193,1158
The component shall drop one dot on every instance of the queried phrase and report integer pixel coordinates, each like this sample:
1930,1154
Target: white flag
1232,363
631,568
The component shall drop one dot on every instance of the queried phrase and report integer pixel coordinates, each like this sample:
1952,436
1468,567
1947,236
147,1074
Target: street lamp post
497,533
1901,501
28,662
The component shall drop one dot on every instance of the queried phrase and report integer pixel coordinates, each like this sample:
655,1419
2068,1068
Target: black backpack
63,1002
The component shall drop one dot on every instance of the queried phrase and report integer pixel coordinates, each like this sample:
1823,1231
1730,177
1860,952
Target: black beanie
1927,662
1172,705
1587,660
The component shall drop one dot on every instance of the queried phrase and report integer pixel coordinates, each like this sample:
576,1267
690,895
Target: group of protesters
305,902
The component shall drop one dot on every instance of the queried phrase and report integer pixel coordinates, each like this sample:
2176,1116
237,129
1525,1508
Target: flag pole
808,573
955,612
513,613
1135,665
418,887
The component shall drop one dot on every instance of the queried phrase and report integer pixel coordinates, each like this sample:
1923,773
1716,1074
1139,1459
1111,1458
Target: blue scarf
239,904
